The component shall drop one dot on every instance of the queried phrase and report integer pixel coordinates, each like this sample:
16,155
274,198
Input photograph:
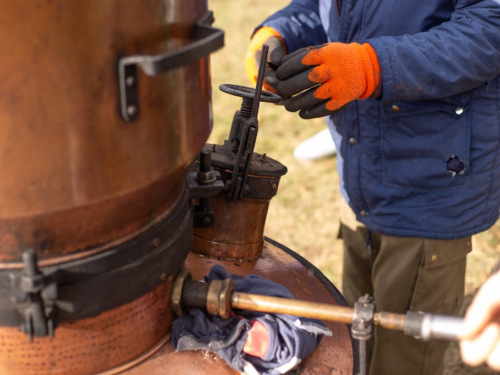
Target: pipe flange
177,306
226,292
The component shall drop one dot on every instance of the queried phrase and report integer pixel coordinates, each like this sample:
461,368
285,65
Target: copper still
104,106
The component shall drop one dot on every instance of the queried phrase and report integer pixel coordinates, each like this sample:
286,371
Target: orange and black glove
277,49
333,75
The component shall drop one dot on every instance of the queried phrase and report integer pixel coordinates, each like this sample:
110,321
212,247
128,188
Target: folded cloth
250,342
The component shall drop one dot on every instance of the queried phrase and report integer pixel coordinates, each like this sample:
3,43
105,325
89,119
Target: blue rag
290,339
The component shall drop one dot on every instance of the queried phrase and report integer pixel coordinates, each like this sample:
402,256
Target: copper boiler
104,105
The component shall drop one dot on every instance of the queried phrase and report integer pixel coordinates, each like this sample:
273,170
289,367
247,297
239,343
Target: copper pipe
315,310
305,309
390,320
194,294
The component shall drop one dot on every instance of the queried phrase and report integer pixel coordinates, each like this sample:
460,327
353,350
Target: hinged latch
35,296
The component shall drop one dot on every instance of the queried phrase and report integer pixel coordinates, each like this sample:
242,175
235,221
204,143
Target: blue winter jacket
424,159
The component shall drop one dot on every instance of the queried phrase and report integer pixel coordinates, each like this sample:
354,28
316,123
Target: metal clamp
246,126
362,327
208,40
35,297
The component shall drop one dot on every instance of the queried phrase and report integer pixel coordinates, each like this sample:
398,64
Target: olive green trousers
403,273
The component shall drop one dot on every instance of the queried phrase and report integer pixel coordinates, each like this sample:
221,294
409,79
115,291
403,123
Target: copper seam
97,250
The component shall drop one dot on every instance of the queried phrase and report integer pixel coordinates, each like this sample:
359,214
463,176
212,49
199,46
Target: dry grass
304,216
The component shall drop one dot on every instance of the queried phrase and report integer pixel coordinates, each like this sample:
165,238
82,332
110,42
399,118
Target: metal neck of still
250,180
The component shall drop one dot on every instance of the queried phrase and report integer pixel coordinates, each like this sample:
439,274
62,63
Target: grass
305,214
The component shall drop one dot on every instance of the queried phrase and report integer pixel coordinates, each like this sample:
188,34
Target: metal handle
208,40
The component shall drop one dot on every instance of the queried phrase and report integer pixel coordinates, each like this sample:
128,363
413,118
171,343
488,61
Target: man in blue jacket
412,94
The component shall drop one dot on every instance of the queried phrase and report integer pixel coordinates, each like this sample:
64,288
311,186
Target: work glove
277,49
333,75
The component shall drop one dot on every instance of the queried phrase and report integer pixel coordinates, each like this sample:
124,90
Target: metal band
90,286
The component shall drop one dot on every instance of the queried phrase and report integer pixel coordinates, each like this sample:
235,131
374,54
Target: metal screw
130,81
131,110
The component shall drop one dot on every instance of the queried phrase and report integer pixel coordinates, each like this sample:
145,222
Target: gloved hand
334,74
277,49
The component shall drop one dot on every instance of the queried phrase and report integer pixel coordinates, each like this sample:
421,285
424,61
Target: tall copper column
77,179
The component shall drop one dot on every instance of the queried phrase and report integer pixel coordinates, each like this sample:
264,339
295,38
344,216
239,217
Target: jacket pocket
426,145
439,286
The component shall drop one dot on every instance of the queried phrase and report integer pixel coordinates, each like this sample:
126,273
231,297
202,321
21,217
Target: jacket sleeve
457,56
299,24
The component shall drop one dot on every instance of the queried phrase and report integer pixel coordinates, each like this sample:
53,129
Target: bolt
131,110
205,161
263,157
130,81
156,242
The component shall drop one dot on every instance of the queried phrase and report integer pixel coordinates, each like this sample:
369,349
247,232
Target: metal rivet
130,81
434,258
395,109
156,242
131,110
163,276
352,141
468,243
459,110
362,213
274,186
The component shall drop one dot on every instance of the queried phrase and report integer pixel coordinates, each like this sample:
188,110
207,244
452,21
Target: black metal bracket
362,327
38,299
207,40
35,296
204,184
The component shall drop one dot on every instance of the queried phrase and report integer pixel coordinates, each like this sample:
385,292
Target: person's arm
457,56
480,339
296,26
299,24
454,57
